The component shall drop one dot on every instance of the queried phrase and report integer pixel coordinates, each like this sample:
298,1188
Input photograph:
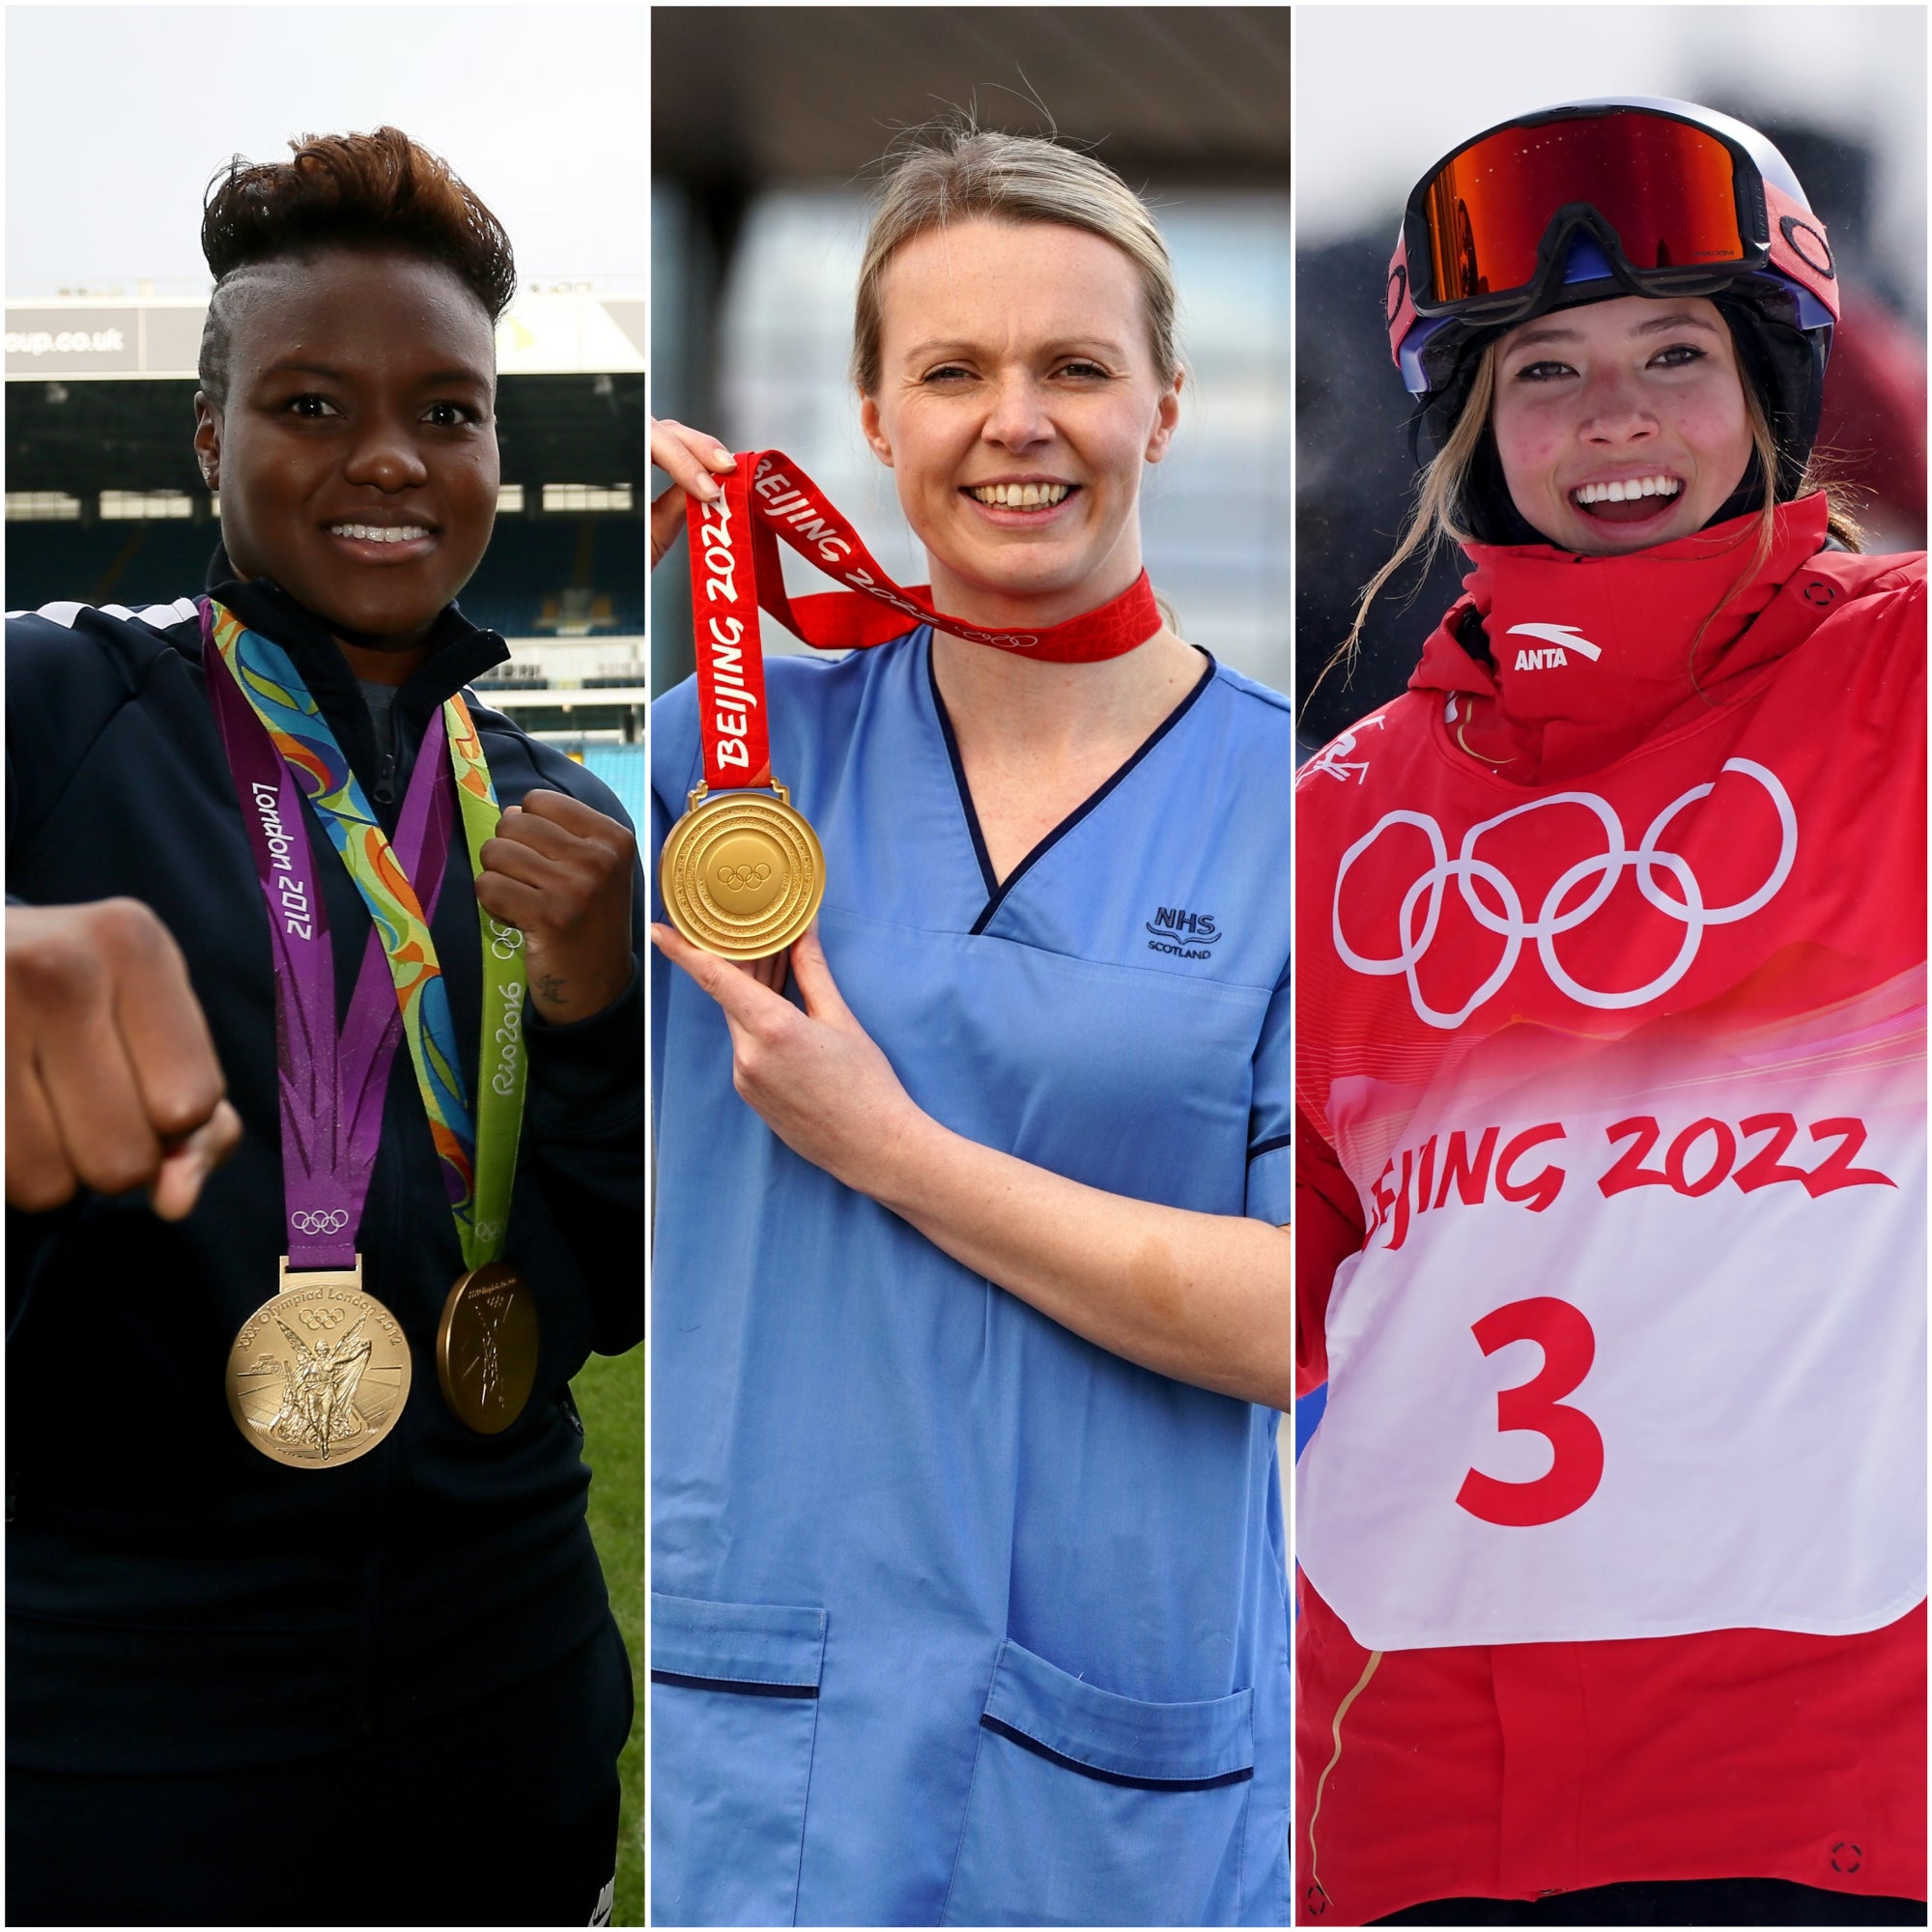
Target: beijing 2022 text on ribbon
742,872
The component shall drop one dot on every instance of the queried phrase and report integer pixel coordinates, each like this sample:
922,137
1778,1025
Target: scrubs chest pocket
1088,1808
734,1711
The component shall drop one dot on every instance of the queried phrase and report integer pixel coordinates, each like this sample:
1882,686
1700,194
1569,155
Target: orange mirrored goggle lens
1666,187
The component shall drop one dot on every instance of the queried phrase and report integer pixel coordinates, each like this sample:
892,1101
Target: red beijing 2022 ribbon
734,569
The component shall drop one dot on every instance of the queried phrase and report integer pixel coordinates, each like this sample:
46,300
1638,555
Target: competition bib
1636,1344
1639,1363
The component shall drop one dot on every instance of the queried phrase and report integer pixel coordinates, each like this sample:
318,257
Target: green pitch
610,1396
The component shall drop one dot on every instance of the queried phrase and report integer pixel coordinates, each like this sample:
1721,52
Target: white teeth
1021,495
379,532
1627,492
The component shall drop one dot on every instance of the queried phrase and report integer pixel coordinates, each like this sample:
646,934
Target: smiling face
1621,424
1018,402
355,452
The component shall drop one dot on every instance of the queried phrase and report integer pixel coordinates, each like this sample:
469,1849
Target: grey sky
1381,92
117,116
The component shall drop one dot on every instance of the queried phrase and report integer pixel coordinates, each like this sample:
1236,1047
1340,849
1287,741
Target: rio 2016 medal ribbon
742,872
280,748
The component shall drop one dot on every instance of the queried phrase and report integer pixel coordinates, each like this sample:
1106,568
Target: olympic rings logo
489,1232
330,1221
1421,908
320,1318
742,878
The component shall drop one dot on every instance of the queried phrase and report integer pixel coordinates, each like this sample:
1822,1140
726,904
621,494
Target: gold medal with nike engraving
741,872
318,1374
486,1348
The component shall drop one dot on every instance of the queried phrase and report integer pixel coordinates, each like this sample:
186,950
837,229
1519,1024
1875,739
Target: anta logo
1558,642
1188,935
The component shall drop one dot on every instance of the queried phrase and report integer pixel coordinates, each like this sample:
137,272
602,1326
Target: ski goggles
1677,208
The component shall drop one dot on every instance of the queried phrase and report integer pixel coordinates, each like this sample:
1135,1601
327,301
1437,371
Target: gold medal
486,1348
743,874
319,1375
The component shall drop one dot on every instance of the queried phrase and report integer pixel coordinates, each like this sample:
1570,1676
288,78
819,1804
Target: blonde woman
972,1294
335,1649
1613,1071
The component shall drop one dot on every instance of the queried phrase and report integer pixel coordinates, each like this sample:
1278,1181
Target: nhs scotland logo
1187,935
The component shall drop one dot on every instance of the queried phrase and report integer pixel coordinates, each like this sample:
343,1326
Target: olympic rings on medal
741,878
319,1221
1477,880
324,1317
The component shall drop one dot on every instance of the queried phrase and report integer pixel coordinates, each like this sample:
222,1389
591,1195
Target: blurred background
767,128
116,119
107,291
1384,92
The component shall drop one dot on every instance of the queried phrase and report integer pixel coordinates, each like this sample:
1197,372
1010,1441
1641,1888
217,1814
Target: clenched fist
112,1081
561,871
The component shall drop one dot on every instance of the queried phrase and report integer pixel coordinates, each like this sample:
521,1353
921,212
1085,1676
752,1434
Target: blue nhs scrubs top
957,1618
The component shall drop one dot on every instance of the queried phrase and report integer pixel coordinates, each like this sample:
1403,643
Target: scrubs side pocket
735,1712
1088,1808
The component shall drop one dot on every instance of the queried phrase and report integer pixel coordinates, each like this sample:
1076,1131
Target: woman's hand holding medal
561,871
815,1077
112,1081
1201,1298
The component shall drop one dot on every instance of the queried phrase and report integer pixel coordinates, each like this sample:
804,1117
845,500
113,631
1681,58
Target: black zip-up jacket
176,1600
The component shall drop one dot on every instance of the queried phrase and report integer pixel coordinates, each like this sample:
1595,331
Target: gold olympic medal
741,872
318,1374
486,1348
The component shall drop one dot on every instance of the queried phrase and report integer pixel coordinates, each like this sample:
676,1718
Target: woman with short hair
321,1075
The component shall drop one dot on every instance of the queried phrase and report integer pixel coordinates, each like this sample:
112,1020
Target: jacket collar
459,650
1558,663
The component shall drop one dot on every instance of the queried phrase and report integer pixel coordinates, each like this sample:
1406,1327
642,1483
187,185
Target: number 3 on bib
1569,1347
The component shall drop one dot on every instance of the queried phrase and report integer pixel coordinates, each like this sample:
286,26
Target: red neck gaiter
1589,655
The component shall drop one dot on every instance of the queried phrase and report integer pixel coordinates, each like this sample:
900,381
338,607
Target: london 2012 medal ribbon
333,1091
742,872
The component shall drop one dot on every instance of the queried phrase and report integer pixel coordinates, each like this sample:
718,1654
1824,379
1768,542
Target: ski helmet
1597,199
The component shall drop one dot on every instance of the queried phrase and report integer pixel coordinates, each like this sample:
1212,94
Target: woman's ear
1166,418
872,427
208,438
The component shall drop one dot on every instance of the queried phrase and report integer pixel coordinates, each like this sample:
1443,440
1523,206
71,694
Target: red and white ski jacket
1610,1235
